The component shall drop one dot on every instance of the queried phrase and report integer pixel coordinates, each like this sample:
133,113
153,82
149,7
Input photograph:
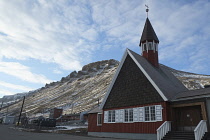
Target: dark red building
146,101
56,113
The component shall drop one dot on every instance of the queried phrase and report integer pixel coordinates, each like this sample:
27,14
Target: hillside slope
83,90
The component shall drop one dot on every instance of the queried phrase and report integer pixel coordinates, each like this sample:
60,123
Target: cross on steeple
147,10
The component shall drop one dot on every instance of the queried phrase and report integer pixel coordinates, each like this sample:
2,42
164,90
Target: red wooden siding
136,127
92,123
151,57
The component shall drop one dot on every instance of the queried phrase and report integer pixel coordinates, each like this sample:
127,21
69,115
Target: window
139,114
149,113
128,115
145,46
111,116
150,46
146,109
99,119
155,46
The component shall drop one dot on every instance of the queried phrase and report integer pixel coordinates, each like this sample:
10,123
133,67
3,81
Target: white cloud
13,86
5,92
46,31
57,71
69,33
90,34
22,72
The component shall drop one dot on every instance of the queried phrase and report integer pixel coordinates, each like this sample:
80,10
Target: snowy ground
69,127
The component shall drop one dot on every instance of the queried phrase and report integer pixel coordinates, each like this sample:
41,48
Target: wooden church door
187,118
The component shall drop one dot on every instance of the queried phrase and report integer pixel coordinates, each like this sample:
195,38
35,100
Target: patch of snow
69,127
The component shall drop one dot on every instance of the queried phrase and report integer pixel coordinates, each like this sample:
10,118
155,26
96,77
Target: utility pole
21,110
2,104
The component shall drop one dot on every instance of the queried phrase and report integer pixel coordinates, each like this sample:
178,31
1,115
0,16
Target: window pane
130,115
145,47
109,116
99,118
113,115
147,118
150,46
152,111
126,115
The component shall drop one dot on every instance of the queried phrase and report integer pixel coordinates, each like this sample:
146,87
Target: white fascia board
148,77
114,79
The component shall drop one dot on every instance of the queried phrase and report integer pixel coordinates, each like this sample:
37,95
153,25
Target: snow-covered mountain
83,90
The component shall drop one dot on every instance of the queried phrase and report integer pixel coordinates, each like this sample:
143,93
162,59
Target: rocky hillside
191,80
83,90
79,91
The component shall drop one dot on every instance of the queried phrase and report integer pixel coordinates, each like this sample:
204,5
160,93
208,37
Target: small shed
95,120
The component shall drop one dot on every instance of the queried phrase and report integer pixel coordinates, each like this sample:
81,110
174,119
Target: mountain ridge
83,90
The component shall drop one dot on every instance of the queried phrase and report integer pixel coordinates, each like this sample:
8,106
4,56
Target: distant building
79,117
55,113
69,117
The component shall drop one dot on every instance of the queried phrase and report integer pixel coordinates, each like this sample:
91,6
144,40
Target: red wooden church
146,101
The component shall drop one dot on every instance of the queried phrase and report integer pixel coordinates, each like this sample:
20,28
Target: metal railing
200,130
163,129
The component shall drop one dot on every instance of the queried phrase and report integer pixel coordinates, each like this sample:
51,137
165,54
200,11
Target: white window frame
150,113
111,119
138,114
157,112
98,124
130,116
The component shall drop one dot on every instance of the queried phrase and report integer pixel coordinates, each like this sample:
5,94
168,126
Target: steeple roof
148,33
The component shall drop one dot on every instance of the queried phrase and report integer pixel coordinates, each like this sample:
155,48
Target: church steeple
148,33
149,43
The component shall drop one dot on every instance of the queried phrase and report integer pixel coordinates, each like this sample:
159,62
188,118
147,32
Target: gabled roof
148,33
165,81
166,84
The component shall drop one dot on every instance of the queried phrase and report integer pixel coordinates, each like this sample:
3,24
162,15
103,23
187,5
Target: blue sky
42,41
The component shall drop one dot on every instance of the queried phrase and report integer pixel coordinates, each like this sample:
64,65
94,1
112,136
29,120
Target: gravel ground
7,132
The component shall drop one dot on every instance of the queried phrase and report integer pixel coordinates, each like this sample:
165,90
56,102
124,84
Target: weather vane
147,10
